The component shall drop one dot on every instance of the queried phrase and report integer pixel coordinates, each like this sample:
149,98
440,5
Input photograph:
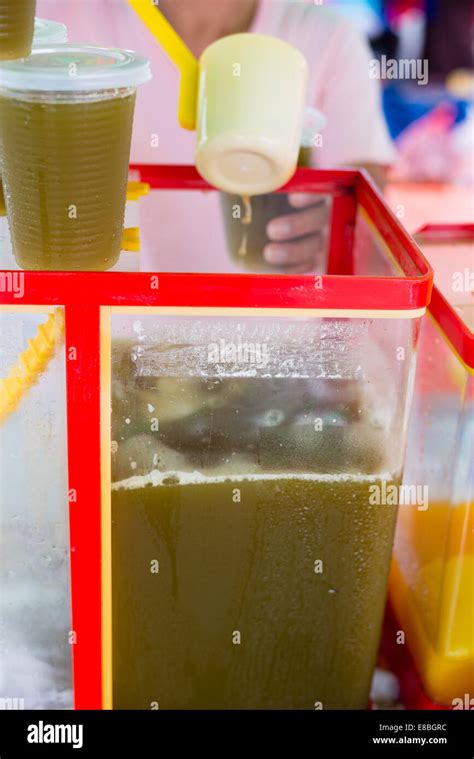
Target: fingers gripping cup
251,100
67,116
16,28
46,33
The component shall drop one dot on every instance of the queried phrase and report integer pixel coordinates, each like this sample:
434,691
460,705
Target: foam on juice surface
156,478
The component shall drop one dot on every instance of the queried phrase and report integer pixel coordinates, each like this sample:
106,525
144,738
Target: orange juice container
432,577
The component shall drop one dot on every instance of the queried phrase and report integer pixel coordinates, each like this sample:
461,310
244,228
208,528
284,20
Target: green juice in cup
67,116
45,33
16,28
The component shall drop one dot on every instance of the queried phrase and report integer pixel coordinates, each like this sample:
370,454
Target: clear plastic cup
45,33
67,116
246,229
49,32
16,28
246,219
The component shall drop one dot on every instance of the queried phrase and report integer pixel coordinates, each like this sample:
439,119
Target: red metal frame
343,220
457,331
82,294
335,291
82,345
446,232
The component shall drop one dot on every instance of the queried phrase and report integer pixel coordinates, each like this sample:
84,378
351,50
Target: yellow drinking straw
179,53
31,363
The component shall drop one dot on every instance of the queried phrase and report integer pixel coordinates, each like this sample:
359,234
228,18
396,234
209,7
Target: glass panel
244,535
433,585
371,255
239,239
34,553
453,263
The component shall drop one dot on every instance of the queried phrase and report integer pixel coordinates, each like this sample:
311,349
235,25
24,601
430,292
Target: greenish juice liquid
17,18
238,615
65,168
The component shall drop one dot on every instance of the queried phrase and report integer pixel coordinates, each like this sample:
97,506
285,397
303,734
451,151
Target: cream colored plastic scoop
245,97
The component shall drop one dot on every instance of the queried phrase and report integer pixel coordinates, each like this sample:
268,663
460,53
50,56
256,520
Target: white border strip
335,313
11,308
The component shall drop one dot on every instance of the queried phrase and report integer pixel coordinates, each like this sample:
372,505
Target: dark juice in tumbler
246,220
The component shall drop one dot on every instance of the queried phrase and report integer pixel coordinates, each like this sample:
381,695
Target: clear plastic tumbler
67,115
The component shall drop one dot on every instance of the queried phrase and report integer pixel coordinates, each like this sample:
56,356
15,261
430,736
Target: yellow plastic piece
131,236
179,53
131,240
137,190
432,592
31,363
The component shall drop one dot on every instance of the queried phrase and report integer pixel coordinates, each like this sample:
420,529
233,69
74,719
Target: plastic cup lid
49,32
75,68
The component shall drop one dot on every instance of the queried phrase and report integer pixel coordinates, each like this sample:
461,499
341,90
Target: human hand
298,239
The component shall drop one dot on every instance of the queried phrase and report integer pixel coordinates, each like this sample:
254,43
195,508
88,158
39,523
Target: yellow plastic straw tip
137,190
131,240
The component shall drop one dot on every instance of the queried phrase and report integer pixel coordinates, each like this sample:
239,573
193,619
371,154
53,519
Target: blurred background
432,125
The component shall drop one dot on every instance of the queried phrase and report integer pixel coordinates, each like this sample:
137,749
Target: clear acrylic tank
231,442
432,580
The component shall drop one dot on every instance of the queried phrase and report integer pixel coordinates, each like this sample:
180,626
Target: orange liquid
432,591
